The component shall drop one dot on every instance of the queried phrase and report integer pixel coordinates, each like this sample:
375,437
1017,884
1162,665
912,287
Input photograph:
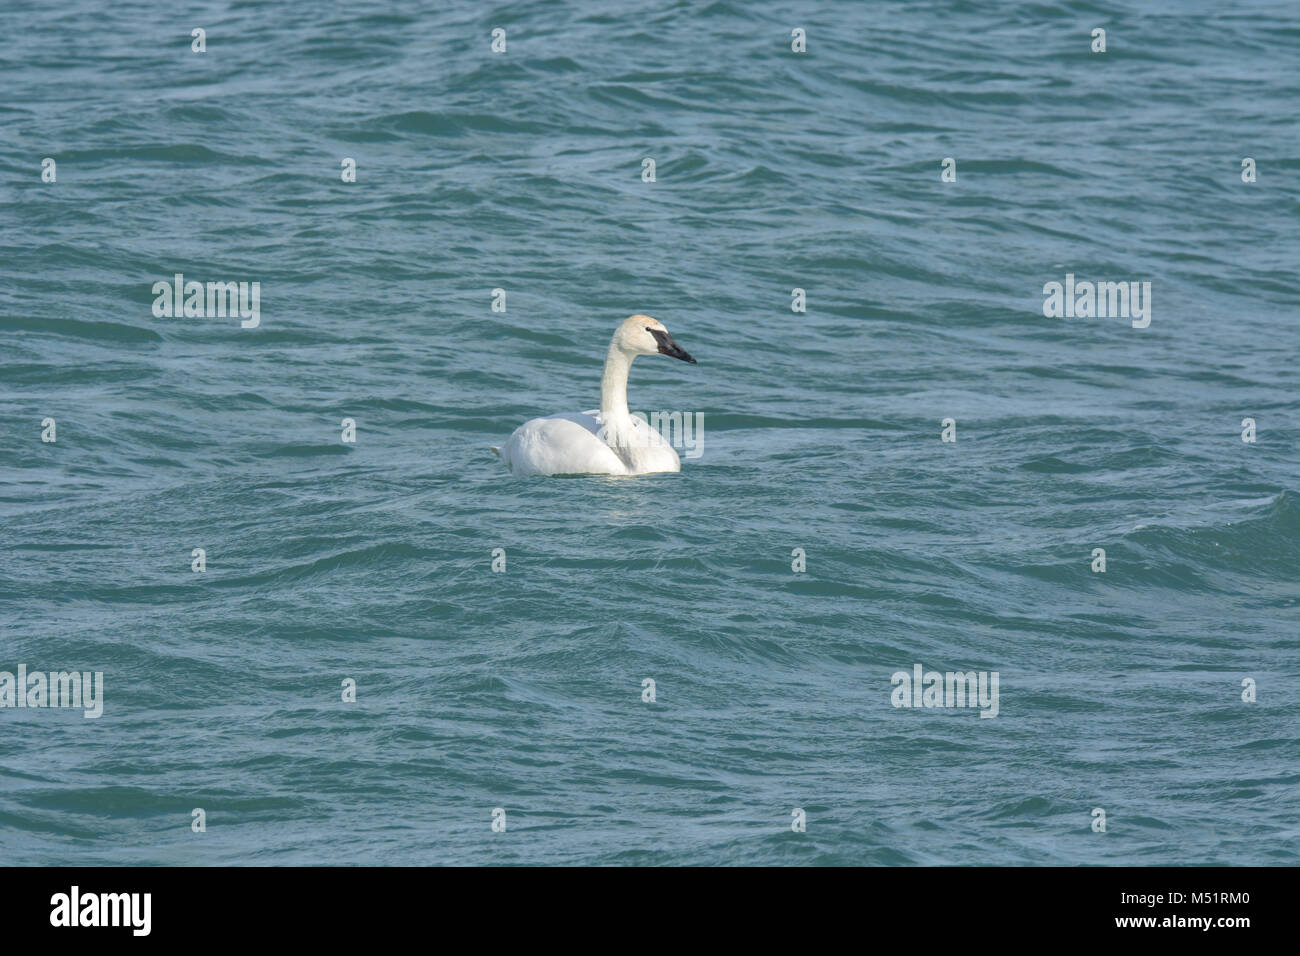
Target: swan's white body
605,442
574,443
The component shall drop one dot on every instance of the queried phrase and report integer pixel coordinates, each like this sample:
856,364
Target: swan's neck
613,386
639,447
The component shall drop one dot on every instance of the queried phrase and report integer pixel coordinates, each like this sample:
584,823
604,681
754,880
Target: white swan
607,442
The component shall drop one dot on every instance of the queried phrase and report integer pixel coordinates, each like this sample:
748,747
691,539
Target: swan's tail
496,451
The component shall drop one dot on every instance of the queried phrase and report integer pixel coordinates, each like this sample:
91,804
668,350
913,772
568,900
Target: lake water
822,441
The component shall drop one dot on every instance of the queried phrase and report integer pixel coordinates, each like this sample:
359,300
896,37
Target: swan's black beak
668,347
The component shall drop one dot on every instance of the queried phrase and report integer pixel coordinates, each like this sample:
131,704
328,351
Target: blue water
522,689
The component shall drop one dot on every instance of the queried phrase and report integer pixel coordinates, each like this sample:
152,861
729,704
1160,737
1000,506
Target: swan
605,442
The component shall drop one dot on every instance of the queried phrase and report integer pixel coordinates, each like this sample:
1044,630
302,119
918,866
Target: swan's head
642,335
